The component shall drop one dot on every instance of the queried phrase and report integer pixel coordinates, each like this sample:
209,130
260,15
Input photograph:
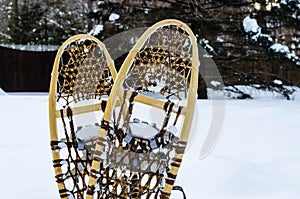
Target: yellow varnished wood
81,110
188,111
53,112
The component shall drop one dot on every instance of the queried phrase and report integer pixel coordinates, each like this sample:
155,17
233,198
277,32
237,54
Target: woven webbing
126,164
83,73
74,164
163,65
130,166
84,77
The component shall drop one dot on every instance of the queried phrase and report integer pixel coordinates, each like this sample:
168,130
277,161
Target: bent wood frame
188,112
53,113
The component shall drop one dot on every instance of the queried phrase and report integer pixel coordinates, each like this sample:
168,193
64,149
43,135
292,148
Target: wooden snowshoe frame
128,166
82,79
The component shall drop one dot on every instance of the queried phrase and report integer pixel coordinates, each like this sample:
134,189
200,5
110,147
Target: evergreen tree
14,30
58,23
243,57
43,22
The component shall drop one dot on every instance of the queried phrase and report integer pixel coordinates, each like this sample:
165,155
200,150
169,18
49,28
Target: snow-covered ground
257,157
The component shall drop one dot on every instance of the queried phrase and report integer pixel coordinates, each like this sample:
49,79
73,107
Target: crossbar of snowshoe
80,110
98,107
154,103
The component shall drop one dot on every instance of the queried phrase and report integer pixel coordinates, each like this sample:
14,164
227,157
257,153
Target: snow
253,29
215,83
96,30
220,39
280,48
114,17
277,81
88,132
143,129
291,55
32,47
250,25
283,49
5,35
101,3
26,166
254,91
256,157
266,36
2,92
146,10
297,3
51,21
205,44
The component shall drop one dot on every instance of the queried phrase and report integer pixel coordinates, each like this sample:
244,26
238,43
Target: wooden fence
31,70
25,70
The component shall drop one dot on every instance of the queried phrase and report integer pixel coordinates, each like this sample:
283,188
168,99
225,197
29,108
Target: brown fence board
25,70
31,70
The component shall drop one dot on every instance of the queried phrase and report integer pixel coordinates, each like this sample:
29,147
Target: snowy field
257,157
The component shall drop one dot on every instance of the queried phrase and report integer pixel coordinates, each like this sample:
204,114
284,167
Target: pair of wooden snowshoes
123,136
